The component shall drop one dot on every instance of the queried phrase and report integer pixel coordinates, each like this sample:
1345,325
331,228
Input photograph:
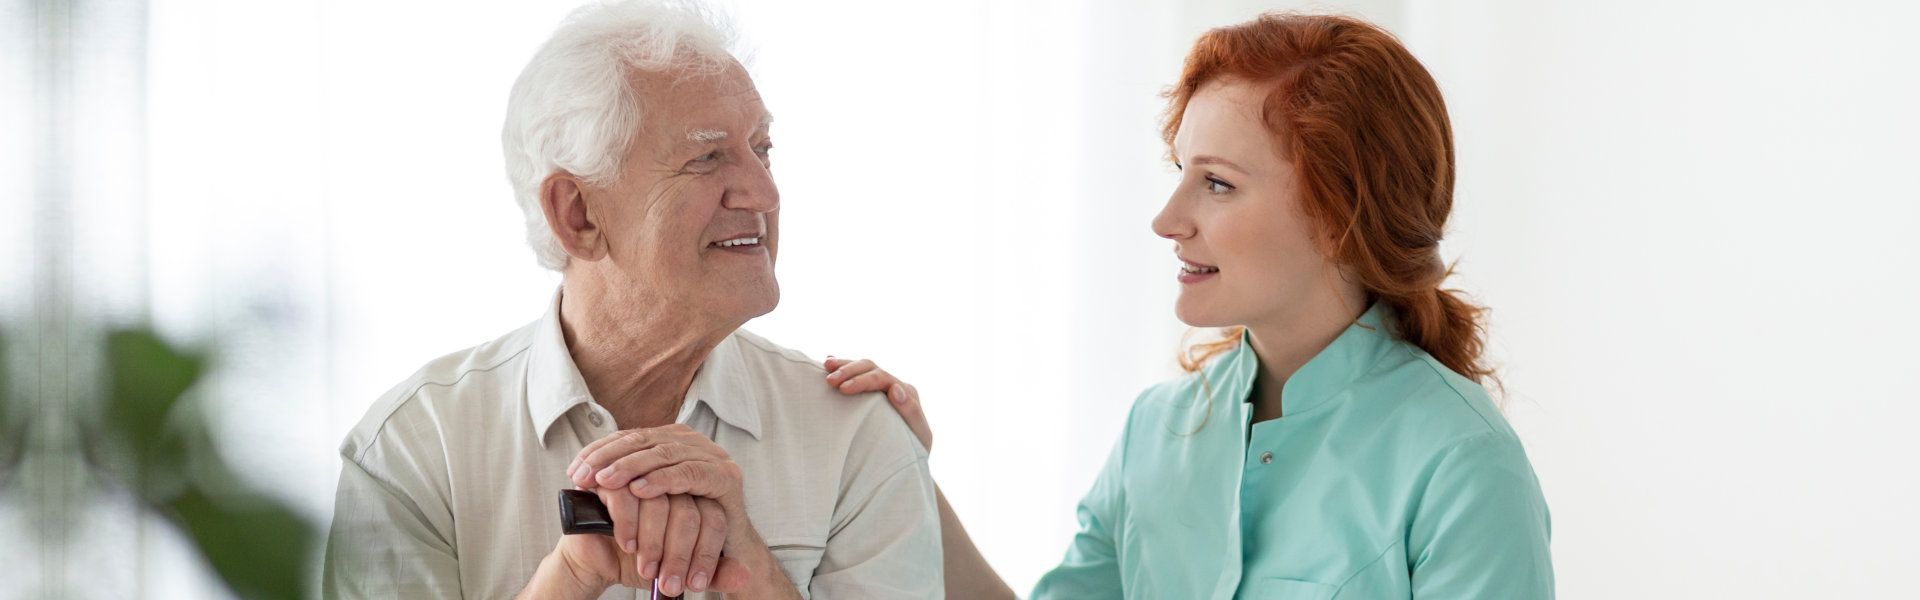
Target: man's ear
564,201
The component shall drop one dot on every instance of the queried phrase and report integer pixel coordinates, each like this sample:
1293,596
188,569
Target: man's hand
661,461
653,466
583,566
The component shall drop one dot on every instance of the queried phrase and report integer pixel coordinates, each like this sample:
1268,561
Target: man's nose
753,189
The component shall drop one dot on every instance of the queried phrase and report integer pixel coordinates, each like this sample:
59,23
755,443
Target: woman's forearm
967,573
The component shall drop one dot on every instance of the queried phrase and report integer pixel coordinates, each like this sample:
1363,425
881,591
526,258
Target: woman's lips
1193,272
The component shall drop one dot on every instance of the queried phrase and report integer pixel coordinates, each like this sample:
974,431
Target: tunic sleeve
1091,568
1481,528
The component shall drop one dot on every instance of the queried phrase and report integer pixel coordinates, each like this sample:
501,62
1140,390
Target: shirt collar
554,384
1323,378
555,387
723,385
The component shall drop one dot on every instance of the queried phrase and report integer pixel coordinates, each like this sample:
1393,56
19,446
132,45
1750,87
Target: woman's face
1249,256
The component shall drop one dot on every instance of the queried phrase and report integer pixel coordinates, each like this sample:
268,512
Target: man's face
693,221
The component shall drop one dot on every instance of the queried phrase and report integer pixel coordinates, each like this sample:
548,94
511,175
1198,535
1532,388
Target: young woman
1337,441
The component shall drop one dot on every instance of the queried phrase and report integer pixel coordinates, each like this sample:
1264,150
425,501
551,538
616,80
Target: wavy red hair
1364,125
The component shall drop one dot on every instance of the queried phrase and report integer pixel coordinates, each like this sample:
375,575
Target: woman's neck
1288,341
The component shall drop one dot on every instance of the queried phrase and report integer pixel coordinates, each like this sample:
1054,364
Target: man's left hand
657,462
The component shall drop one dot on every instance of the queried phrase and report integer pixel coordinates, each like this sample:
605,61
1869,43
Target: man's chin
755,303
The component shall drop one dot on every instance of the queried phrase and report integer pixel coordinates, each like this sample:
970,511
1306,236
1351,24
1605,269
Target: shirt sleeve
1091,568
385,541
885,541
1481,529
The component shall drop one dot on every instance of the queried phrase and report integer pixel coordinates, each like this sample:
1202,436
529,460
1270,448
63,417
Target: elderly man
638,149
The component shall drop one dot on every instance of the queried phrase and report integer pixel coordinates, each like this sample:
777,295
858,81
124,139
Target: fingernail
639,484
573,465
672,586
652,570
628,545
699,582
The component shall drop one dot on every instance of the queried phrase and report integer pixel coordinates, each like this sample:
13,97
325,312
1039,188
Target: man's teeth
1197,269
739,242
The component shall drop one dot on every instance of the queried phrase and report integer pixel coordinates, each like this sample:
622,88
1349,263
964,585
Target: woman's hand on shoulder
862,376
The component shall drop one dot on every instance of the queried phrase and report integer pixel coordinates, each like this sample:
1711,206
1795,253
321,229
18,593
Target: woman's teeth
752,241
1197,269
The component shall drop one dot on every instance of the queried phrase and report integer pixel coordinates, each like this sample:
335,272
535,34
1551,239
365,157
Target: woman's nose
1170,223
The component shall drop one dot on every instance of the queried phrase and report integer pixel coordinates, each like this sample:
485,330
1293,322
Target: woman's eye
1217,186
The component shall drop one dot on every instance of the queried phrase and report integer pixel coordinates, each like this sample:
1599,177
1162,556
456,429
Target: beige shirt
449,486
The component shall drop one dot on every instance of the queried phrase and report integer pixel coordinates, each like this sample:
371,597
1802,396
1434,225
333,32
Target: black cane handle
583,512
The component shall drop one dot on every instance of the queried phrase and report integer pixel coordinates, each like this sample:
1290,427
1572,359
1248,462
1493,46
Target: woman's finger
833,364
850,370
906,400
870,381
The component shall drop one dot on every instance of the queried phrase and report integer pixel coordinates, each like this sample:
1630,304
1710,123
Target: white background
1693,221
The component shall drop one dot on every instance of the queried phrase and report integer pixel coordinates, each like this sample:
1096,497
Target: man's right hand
676,538
585,565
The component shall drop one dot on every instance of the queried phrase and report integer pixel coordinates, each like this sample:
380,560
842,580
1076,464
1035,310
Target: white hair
574,109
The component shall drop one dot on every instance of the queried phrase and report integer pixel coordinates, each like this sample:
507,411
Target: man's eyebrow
705,136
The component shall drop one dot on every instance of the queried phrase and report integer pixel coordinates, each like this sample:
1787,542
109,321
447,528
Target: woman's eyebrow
1206,159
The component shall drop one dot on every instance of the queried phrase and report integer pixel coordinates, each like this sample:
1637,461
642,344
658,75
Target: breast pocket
1289,589
799,558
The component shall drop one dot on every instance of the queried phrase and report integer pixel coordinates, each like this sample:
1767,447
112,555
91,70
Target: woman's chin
1197,314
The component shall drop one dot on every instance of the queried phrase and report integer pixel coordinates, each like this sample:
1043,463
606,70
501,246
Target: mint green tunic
1388,476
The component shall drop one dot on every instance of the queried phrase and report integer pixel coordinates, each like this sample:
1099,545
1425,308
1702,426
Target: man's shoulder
795,394
412,407
791,378
761,352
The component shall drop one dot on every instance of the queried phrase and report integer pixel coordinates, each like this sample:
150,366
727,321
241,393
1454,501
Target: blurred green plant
150,438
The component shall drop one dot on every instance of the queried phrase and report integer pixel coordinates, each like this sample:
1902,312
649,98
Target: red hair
1365,128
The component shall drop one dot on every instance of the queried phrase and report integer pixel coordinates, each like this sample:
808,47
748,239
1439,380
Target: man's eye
1217,186
708,157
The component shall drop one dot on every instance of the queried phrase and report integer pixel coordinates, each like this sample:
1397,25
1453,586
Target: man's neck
638,358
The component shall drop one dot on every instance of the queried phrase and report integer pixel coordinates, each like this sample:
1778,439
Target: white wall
1695,224
1688,217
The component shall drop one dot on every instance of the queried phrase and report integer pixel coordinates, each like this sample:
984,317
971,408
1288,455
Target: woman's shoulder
1195,397
1421,401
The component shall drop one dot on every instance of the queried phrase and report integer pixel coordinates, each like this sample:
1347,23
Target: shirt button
1266,458
596,419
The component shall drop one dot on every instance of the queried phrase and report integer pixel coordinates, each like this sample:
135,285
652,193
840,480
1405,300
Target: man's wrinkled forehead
702,109
709,135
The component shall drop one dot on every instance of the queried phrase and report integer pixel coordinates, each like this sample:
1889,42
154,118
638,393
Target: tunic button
1266,458
596,419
